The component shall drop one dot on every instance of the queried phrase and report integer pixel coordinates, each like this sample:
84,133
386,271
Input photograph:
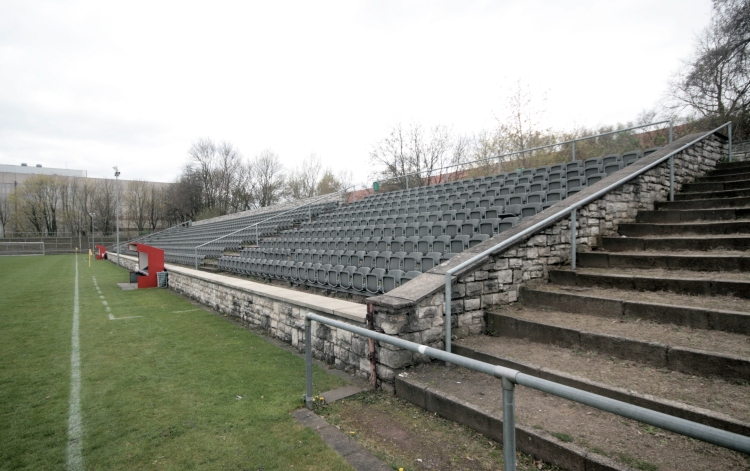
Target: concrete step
621,380
723,313
687,215
712,228
712,194
730,177
690,351
680,282
718,242
739,202
714,186
560,432
730,169
736,164
693,261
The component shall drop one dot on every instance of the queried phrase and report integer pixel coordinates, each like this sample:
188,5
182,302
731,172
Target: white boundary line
75,422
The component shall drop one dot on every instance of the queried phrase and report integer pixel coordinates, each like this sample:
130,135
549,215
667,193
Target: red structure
101,251
150,262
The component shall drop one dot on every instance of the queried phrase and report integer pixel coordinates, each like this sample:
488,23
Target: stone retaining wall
283,320
415,311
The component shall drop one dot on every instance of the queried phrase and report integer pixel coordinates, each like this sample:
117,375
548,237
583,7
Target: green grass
158,392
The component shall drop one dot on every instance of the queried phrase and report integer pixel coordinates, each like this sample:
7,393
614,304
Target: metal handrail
532,149
511,377
152,234
551,219
322,197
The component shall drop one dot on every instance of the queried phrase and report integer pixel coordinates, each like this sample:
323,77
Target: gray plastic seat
392,280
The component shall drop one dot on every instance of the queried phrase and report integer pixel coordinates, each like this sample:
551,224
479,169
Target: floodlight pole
117,212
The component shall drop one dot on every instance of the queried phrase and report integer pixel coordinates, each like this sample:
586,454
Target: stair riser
667,216
735,164
629,397
658,355
675,285
729,170
718,228
701,195
738,202
673,262
706,187
623,244
724,178
695,318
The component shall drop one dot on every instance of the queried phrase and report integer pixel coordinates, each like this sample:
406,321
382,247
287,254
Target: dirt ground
632,443
408,437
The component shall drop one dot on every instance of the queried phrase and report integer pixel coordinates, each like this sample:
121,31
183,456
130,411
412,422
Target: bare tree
417,152
37,202
268,178
103,204
5,209
714,85
136,202
303,181
155,206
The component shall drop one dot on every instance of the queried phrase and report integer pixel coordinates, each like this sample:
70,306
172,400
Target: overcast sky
92,84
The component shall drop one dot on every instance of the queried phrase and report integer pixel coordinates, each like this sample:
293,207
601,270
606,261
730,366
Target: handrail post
308,363
671,178
406,177
671,130
574,151
196,257
509,425
730,141
448,315
573,237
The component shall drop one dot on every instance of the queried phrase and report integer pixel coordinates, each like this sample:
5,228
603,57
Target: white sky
92,84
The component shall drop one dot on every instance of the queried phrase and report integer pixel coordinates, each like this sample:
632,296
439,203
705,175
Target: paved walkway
316,302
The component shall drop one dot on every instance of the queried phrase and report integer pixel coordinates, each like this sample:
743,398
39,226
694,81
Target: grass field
164,384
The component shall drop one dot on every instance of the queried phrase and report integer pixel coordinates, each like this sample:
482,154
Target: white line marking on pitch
189,310
113,318
104,302
75,423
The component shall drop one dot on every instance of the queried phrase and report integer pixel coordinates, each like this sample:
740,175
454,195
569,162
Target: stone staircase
658,316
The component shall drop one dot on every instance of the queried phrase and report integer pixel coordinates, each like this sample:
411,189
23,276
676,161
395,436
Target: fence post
573,236
574,151
406,177
730,141
308,363
671,131
509,425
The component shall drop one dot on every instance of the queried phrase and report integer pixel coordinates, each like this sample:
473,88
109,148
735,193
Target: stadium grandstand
373,245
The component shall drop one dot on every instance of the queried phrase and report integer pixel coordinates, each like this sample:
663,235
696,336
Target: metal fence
511,377
571,142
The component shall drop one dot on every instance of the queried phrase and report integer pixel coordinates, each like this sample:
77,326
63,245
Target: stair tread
712,253
589,428
710,393
712,341
664,273
686,236
729,304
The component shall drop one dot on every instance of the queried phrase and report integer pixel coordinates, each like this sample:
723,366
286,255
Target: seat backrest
478,239
612,168
459,243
